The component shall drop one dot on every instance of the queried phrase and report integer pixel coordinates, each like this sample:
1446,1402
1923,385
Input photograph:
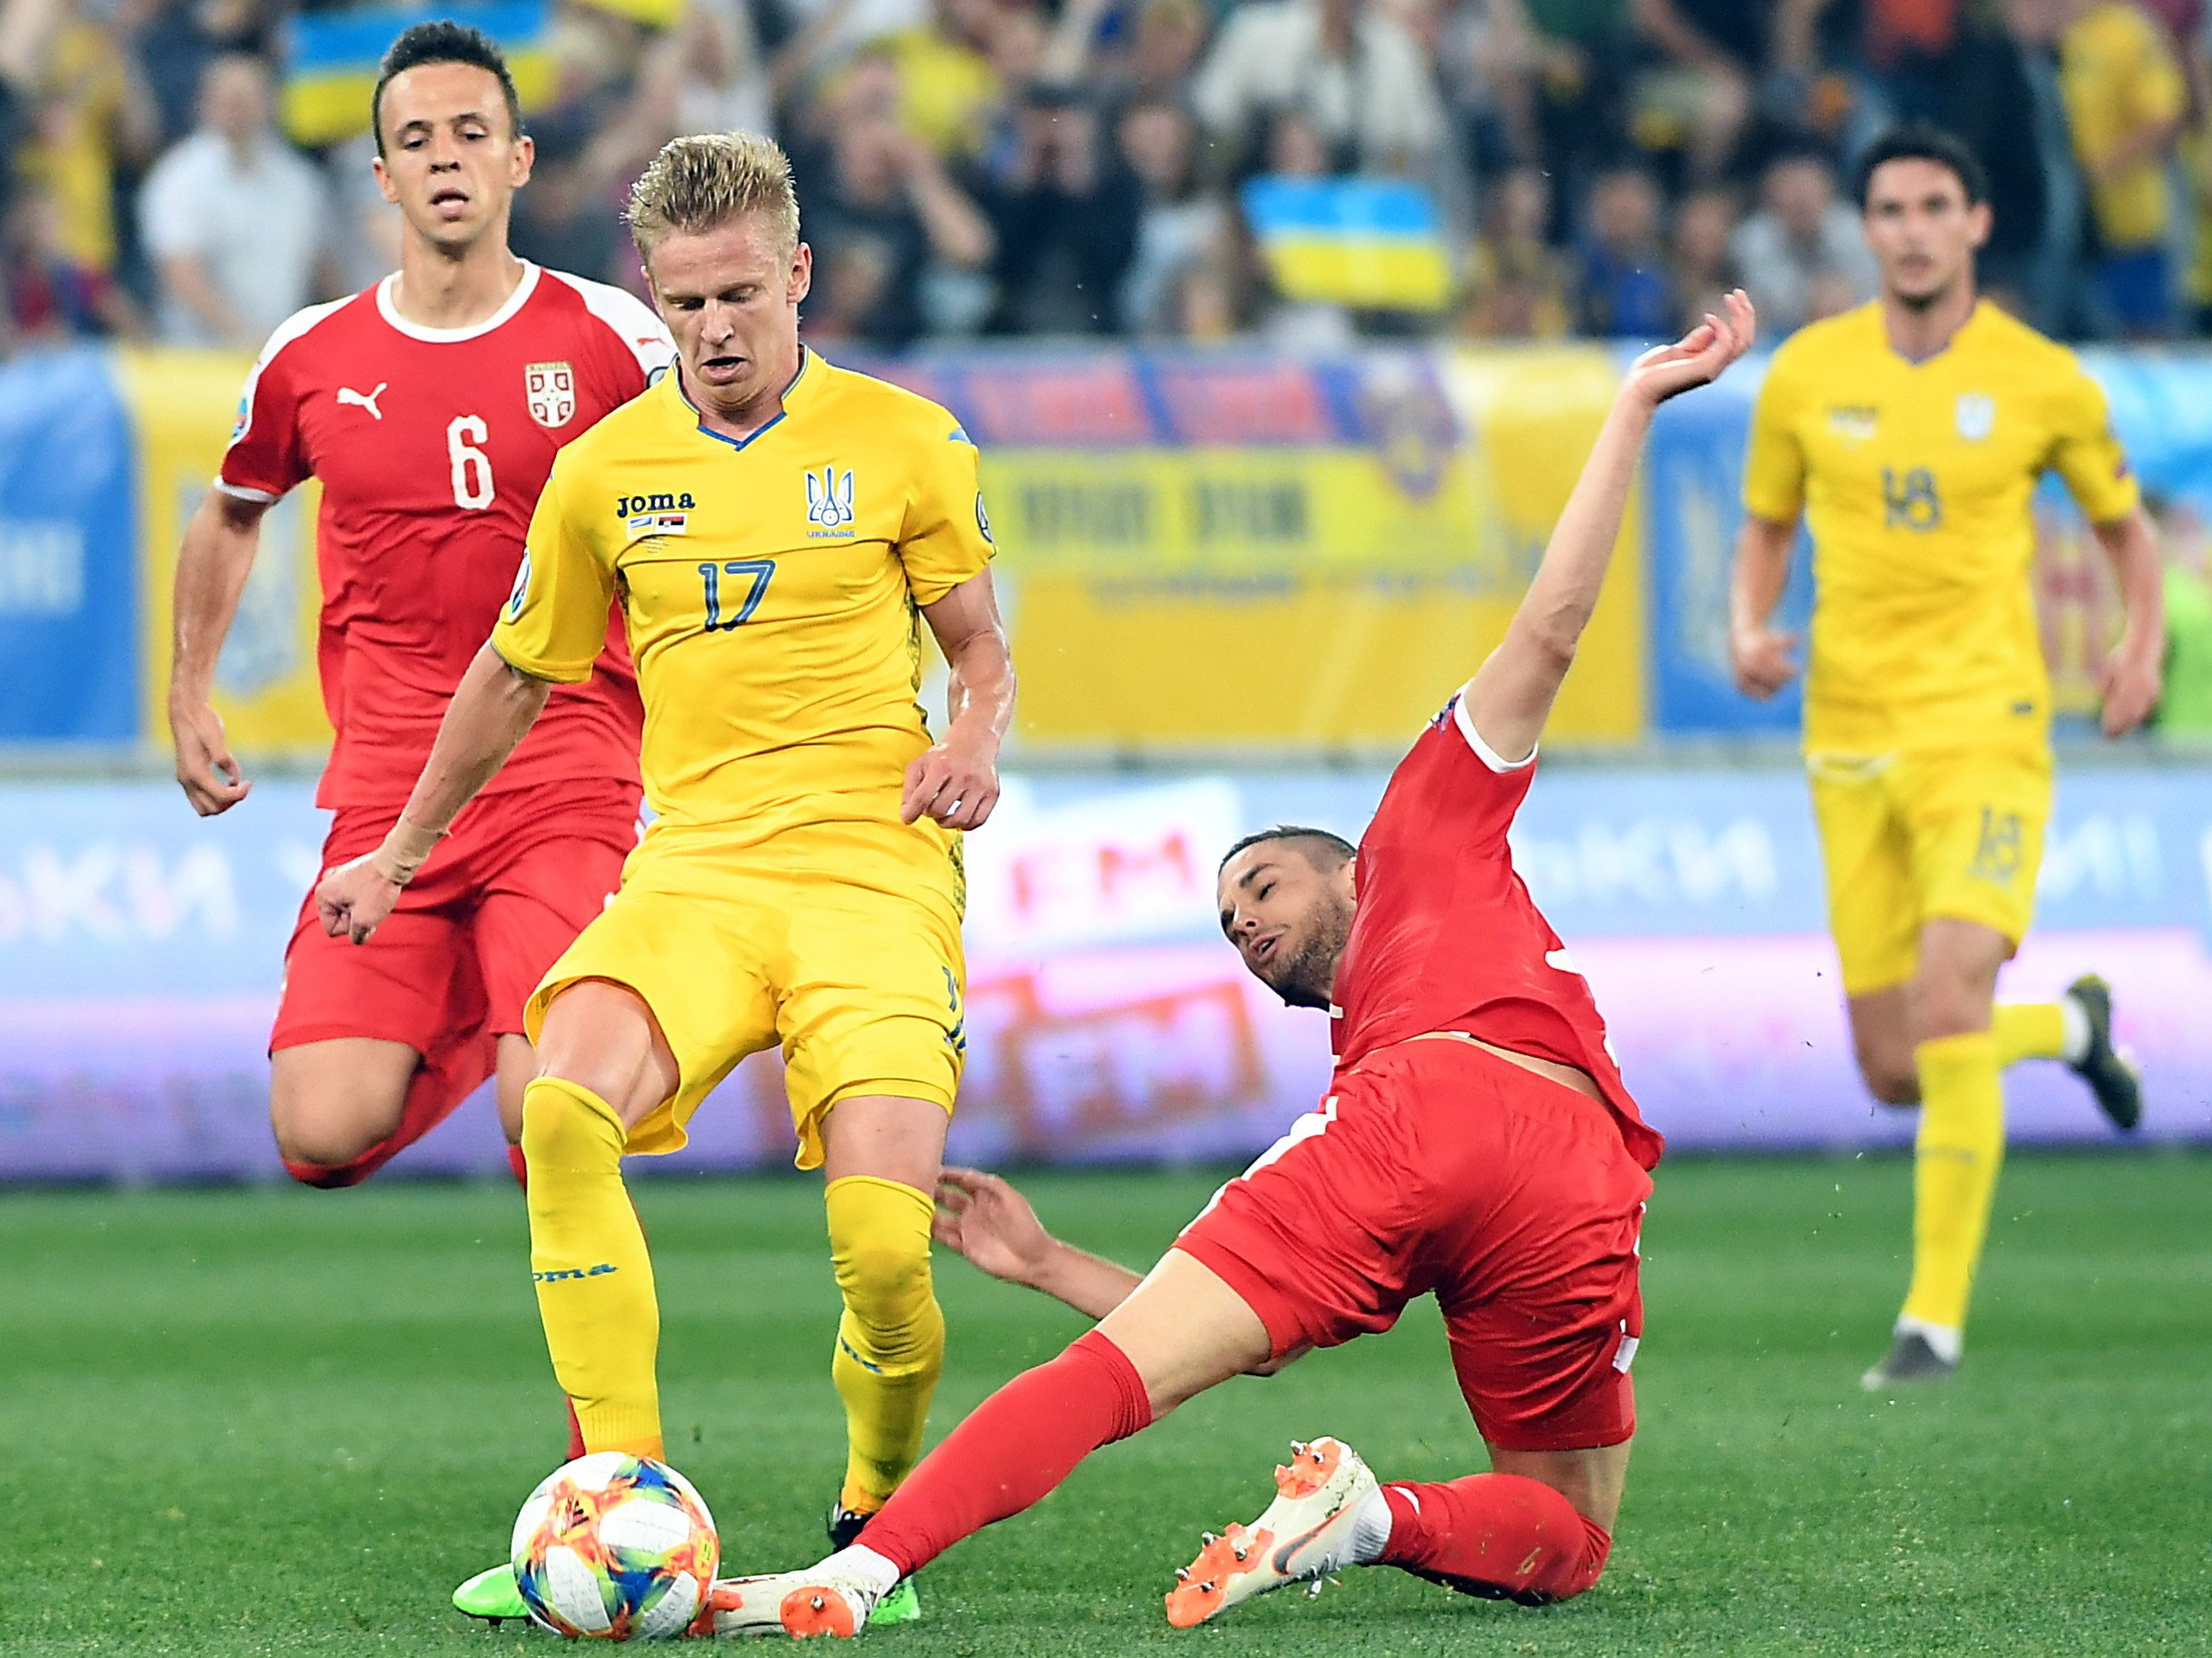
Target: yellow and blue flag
330,59
1375,244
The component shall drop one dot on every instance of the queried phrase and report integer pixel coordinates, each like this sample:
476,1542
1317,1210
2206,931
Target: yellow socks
1960,1147
890,1343
587,1255
2028,1031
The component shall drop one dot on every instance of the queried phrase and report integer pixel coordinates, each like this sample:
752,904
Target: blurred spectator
826,33
1586,51
233,219
1179,225
886,211
1350,69
88,115
708,73
364,245
1801,255
2002,98
1704,266
946,76
1698,97
52,296
174,42
589,145
1170,39
1517,281
1621,275
2124,96
1064,221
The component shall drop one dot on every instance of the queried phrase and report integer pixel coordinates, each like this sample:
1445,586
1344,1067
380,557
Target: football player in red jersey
429,407
1476,1143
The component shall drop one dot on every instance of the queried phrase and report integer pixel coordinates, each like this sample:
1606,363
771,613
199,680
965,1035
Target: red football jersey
432,445
1447,937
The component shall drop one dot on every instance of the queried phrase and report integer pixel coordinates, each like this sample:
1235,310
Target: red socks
516,1162
1017,1444
1502,1536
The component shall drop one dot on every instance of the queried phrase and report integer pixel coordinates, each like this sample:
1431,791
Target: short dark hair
442,41
1325,852
1920,141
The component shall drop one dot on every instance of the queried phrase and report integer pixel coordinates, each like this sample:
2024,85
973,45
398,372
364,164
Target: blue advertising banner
68,583
141,953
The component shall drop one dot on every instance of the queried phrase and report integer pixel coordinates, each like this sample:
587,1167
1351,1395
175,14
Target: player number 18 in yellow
1910,501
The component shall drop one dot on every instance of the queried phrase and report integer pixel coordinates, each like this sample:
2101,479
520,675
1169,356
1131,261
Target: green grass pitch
274,1422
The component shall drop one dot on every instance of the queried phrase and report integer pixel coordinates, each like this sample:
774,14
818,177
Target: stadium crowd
1001,168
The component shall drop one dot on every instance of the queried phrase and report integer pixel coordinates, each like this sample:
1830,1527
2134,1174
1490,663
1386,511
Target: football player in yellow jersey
1911,434
777,531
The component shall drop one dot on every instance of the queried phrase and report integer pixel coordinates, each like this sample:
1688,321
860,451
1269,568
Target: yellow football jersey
771,588
1916,480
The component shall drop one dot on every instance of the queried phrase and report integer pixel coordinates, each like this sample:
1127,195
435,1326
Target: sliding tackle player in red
1476,1143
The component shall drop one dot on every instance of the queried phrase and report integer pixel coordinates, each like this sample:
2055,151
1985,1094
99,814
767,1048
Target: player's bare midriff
1566,1076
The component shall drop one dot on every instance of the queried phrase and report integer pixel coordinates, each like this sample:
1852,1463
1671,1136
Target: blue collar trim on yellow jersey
806,357
1940,352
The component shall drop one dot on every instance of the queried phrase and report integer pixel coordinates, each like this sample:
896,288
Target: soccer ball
616,1548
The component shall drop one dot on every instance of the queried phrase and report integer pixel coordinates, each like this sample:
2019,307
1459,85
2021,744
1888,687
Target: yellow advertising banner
183,405
1292,596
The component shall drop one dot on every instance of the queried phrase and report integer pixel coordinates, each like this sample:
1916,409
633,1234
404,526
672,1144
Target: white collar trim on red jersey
449,336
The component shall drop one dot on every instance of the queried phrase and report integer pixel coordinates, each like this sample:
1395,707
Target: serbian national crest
829,501
1976,416
551,388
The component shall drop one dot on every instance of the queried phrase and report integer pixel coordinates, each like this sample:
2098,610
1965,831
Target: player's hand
989,1223
207,770
354,899
955,782
2130,682
1760,660
1697,357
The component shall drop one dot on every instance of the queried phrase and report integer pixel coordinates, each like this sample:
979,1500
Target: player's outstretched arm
493,708
2133,672
991,1225
1511,695
956,783
211,567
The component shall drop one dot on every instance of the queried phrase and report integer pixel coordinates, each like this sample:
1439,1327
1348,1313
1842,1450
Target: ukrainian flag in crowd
1375,244
330,59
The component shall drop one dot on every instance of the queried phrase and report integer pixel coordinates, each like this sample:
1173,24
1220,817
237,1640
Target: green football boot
902,1604
492,1596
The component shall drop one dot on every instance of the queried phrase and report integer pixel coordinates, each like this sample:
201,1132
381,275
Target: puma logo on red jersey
363,400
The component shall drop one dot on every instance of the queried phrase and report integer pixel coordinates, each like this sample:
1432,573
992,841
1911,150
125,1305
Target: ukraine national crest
829,500
551,388
1976,416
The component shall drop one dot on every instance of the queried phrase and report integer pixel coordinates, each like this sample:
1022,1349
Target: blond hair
702,182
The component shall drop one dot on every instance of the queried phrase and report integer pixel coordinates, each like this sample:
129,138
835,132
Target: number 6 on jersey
472,467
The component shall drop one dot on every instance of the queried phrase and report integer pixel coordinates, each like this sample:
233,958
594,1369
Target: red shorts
474,931
1437,1167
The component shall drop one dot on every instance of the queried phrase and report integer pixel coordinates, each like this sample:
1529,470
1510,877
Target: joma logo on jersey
631,506
828,502
567,1273
1854,422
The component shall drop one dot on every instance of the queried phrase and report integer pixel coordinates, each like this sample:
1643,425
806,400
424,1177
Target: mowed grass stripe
284,1420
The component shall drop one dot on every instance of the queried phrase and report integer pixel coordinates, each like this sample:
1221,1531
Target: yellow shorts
1909,837
858,974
